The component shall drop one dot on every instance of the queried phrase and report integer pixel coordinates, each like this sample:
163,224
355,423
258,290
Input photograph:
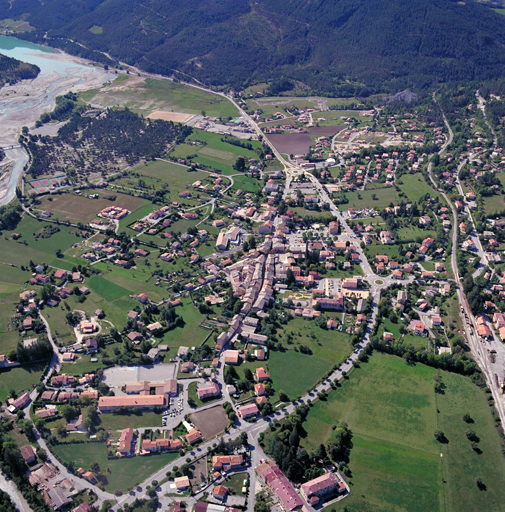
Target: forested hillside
334,46
12,70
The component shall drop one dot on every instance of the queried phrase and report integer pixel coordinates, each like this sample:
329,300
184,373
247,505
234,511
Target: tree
95,467
439,436
69,412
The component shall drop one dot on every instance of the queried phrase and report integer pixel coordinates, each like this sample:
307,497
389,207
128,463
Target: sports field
396,463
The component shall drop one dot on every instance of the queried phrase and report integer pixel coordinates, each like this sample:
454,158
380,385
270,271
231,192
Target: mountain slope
12,70
384,44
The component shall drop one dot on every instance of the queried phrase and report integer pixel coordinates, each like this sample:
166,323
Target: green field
116,475
412,232
396,463
149,95
247,184
216,153
20,378
296,373
109,291
114,422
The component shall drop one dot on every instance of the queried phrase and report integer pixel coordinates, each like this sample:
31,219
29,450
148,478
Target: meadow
116,475
296,373
215,153
145,96
20,378
396,463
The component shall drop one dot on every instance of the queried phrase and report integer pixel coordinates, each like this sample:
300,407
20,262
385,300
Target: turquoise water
50,63
35,54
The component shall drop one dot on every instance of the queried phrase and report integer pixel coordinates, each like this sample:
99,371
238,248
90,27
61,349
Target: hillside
12,70
382,45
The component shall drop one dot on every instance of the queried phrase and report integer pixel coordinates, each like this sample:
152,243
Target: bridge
18,146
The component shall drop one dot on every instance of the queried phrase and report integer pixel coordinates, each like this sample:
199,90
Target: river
23,103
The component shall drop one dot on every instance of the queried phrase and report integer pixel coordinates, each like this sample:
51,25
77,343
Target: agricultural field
147,95
34,245
20,378
77,208
115,475
160,174
215,153
396,462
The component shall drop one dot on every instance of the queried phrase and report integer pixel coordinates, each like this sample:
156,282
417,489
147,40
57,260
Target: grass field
41,250
414,186
389,250
109,291
295,373
330,346
494,204
21,378
391,409
150,95
412,232
115,422
83,365
190,335
79,208
247,184
119,474
216,153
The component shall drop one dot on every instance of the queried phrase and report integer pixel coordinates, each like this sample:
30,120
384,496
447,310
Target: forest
382,45
13,70
96,142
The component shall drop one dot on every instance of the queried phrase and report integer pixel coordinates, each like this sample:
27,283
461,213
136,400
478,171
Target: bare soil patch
325,130
210,422
176,117
291,142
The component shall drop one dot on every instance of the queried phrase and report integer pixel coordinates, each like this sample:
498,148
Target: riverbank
22,104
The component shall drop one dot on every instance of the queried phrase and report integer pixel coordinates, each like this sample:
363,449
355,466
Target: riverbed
22,104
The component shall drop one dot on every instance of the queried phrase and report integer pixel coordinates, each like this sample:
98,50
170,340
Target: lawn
363,198
121,421
412,232
392,410
83,365
235,483
193,394
296,373
389,250
20,378
118,474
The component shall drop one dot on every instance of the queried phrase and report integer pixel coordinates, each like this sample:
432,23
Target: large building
276,480
314,489
125,442
144,403
144,387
